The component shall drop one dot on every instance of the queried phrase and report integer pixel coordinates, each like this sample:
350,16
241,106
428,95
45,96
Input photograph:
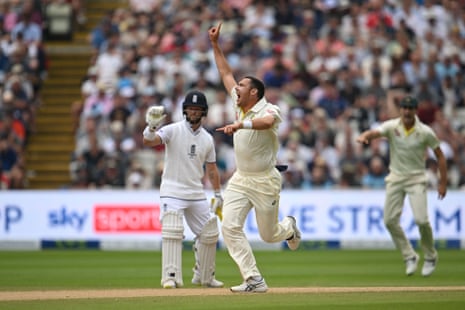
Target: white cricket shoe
170,283
294,241
251,285
411,265
214,283
428,267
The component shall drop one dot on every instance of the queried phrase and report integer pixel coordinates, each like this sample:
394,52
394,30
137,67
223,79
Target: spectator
108,64
320,177
101,103
30,31
374,176
8,156
259,19
138,178
332,101
94,159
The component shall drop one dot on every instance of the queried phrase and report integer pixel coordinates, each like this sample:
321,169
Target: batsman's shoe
411,265
169,284
428,267
214,283
294,241
251,285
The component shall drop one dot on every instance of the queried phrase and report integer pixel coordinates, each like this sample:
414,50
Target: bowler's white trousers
244,192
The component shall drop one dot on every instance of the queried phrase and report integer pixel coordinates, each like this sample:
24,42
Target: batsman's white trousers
244,192
195,212
415,187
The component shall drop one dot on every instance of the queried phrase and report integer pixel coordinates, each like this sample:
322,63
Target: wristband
217,194
247,124
149,134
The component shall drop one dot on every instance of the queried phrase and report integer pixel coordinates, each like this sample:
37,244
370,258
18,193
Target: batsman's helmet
195,98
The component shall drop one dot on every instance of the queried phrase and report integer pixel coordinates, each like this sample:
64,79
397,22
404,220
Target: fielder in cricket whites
257,182
409,140
188,148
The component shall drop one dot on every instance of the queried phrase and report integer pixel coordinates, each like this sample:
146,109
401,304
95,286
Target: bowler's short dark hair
258,84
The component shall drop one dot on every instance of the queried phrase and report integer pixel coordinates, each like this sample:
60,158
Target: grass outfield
365,279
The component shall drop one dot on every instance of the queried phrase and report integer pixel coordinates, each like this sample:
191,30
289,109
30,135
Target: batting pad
172,234
206,250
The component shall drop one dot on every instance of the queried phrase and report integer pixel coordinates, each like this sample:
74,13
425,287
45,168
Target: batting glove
154,116
216,206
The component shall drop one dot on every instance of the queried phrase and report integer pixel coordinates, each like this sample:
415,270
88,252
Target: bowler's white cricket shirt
407,149
186,152
256,150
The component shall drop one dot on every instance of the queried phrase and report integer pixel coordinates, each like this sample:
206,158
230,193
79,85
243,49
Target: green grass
81,269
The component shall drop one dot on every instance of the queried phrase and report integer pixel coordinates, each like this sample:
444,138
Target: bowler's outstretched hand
214,32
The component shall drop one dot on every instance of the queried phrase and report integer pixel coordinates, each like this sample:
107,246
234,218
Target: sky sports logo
127,219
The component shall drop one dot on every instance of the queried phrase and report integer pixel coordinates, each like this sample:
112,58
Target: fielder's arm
392,102
442,166
368,135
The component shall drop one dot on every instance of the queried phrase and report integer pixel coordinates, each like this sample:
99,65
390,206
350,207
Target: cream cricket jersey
407,150
186,152
256,150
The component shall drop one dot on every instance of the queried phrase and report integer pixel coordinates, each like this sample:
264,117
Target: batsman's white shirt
185,155
256,150
407,149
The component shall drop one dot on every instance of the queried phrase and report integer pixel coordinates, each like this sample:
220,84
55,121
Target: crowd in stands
335,68
23,68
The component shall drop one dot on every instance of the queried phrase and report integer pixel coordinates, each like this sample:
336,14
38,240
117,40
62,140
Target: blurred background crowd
335,68
23,68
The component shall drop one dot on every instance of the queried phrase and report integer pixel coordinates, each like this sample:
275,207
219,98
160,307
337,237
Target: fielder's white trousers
415,187
244,192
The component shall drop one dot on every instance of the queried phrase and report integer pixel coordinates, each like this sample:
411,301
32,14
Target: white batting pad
205,247
172,235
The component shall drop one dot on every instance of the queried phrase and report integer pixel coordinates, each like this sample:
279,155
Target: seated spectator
375,174
277,77
220,111
100,34
17,177
17,100
108,64
94,159
320,177
8,156
10,15
123,105
31,31
331,100
100,103
114,173
276,57
137,178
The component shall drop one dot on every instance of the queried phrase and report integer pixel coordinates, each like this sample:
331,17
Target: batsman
188,149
